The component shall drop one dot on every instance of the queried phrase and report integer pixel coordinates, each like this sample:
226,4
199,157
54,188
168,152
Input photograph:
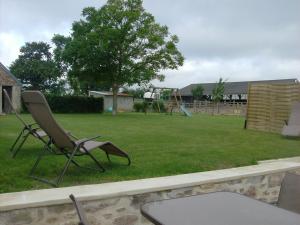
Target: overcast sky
235,39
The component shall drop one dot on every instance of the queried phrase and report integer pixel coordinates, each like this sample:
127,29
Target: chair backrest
80,211
289,196
295,114
38,107
13,108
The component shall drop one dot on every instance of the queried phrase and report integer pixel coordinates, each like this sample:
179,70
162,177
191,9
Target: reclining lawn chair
80,212
64,143
28,129
292,127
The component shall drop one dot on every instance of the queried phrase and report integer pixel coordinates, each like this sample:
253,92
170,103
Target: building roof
233,87
108,93
5,72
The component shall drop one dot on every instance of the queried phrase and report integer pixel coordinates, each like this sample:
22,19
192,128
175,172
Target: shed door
5,104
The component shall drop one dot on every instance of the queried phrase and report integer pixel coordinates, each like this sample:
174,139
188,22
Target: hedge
74,104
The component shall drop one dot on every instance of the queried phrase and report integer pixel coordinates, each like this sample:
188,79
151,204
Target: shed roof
233,87
11,79
108,93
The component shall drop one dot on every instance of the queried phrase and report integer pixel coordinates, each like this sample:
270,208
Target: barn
237,91
13,87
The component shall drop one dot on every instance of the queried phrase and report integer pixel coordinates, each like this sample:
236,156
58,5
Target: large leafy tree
36,68
120,44
78,87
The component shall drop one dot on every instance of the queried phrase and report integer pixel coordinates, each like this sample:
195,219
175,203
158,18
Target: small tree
218,92
166,94
197,92
36,68
120,44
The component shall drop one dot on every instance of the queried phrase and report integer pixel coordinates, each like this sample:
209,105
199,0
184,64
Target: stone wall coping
57,196
291,159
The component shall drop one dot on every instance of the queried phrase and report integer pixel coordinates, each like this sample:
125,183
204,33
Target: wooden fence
222,108
269,105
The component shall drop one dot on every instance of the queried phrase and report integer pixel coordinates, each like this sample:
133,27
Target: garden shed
13,87
125,101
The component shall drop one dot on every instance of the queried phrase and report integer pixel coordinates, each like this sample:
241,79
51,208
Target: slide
185,111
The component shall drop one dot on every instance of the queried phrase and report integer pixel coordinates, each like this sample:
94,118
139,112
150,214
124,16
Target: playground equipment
174,100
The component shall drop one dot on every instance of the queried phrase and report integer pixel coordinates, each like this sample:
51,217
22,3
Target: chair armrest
71,135
82,141
34,126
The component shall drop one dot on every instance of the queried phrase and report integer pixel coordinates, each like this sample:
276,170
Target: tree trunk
115,99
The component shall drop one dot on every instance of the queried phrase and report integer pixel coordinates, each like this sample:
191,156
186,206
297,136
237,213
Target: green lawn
158,144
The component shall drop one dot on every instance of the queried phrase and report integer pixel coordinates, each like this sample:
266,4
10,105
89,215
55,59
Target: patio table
219,208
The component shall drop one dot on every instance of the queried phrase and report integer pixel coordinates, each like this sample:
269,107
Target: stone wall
125,210
5,79
0,99
16,97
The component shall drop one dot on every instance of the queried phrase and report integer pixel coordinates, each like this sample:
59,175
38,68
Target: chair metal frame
28,129
80,211
70,155
76,147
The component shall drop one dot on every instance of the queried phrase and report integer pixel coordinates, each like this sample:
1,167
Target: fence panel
269,105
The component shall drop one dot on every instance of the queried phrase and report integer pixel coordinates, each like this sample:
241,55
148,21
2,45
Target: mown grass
158,144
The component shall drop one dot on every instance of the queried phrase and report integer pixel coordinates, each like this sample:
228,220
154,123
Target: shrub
74,104
160,104
140,106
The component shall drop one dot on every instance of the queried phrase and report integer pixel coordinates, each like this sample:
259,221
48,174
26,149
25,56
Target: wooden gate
269,105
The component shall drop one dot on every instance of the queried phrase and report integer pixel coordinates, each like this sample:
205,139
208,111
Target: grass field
158,144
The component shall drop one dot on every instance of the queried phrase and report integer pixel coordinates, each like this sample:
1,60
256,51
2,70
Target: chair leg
129,161
108,158
84,167
15,152
96,161
67,164
43,152
16,141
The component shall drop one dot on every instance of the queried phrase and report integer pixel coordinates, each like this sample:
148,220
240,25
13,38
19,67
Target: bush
140,106
161,106
74,104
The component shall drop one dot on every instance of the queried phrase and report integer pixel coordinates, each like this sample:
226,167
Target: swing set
174,100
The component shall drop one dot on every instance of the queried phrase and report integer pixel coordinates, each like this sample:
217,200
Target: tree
36,68
218,92
197,92
120,44
78,87
136,93
166,94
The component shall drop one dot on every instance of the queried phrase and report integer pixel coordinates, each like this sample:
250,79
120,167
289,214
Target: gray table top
219,208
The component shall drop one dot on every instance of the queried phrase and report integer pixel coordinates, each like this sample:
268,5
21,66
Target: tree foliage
197,92
136,93
36,68
218,91
120,44
166,94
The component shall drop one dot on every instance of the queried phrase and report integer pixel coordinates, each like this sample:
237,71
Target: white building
125,101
